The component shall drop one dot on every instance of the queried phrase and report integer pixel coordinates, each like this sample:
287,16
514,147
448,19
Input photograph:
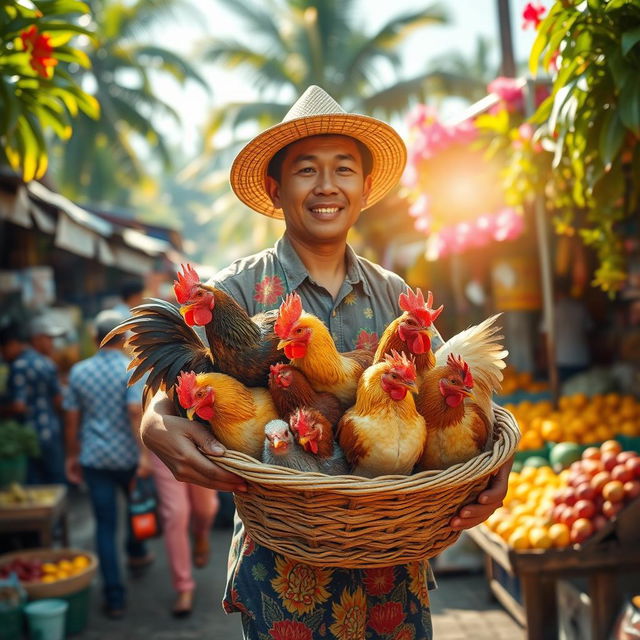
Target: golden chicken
309,345
237,414
383,433
455,397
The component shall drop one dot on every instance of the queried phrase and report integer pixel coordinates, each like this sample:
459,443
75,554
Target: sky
469,19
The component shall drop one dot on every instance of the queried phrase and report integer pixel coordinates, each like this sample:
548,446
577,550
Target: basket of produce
50,573
355,459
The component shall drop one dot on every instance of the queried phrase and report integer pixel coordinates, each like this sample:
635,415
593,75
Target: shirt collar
296,272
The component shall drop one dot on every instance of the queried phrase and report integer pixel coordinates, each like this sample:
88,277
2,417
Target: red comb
185,387
299,422
456,362
184,284
404,366
414,304
288,314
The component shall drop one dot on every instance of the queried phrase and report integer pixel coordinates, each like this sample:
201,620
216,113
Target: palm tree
106,158
296,43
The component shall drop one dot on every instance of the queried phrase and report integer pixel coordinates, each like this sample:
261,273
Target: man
35,399
131,294
43,335
318,169
101,427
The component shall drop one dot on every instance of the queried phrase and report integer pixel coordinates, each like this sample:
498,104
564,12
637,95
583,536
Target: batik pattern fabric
279,598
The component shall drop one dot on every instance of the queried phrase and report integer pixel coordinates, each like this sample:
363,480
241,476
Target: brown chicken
309,345
412,331
237,414
241,346
291,390
383,434
455,396
314,433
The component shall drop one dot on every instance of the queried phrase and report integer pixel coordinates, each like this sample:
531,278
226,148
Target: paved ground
461,607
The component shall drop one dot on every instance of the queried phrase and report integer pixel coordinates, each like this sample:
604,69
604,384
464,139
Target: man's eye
306,170
345,169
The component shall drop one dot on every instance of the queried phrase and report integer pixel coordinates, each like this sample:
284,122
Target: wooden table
539,572
39,518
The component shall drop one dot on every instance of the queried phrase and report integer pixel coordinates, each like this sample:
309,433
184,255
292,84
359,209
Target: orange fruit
560,535
81,562
48,577
551,430
504,529
539,538
519,539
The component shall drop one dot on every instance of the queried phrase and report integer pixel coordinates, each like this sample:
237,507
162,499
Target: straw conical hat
317,113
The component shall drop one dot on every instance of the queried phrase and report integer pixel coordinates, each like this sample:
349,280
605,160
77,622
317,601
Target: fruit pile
520,381
579,419
34,570
598,486
543,509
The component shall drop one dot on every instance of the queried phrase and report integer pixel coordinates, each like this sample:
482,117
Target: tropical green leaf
52,7
630,105
176,65
629,40
611,136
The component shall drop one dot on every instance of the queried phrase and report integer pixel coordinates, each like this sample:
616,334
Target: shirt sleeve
17,385
134,392
55,388
71,399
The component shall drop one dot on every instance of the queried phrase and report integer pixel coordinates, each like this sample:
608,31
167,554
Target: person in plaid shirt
101,423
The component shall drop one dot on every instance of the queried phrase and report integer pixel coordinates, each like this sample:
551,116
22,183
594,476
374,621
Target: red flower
268,290
249,546
367,340
39,46
387,617
532,15
405,632
379,582
290,630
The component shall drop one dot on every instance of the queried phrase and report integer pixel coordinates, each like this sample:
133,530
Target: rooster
455,396
383,433
241,346
236,413
412,331
281,448
315,434
309,345
291,390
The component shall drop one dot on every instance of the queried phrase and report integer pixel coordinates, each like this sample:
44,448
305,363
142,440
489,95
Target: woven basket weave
351,522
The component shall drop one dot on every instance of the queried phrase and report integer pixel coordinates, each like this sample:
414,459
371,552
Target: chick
280,448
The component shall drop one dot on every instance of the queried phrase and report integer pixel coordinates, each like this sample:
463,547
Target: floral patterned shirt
280,598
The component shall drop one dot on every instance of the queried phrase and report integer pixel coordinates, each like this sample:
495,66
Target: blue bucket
46,619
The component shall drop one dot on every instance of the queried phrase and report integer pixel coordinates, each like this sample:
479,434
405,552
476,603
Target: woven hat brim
249,169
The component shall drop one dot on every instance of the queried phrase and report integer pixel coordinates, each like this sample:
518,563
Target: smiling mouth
325,213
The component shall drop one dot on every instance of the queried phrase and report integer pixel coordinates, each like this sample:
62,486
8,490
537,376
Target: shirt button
333,313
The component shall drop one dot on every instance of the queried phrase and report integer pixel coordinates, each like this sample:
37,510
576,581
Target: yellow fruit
64,565
628,428
612,400
62,575
504,529
551,430
519,539
521,492
539,538
560,535
579,400
81,562
48,577
49,567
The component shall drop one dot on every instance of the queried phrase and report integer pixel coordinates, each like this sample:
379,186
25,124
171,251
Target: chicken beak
184,309
304,440
467,392
190,412
410,386
278,444
282,344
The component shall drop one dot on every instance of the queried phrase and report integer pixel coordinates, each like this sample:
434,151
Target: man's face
322,188
10,350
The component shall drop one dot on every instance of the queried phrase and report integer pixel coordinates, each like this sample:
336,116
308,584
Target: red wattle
453,399
206,413
314,446
188,317
398,393
202,316
419,343
295,350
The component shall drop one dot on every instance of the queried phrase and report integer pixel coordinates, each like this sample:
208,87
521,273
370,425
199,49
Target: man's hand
487,502
180,444
72,469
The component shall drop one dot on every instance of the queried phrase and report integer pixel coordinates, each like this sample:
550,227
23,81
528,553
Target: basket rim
505,445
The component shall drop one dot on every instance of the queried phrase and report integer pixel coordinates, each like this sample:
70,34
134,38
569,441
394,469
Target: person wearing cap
101,434
43,333
317,170
34,397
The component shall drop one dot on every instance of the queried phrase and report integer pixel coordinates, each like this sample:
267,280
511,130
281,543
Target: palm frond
171,62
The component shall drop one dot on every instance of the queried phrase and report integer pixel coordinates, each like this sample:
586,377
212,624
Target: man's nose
326,183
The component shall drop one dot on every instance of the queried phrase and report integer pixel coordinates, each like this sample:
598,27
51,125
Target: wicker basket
72,584
351,522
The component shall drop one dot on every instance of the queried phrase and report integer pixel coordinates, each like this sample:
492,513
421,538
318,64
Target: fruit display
31,570
17,495
521,381
544,509
579,419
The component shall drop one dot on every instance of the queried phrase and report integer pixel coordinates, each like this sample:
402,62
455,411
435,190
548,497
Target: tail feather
480,347
163,345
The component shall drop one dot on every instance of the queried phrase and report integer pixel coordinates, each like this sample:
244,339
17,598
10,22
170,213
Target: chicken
315,434
455,397
242,346
309,345
383,433
236,413
281,448
162,345
291,390
412,331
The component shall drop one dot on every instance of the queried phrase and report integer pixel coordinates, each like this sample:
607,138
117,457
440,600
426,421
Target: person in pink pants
181,504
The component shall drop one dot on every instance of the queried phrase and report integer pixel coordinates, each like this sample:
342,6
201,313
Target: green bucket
11,624
13,470
78,611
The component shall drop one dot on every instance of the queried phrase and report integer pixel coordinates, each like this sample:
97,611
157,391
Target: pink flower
268,290
508,90
420,207
532,15
368,341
